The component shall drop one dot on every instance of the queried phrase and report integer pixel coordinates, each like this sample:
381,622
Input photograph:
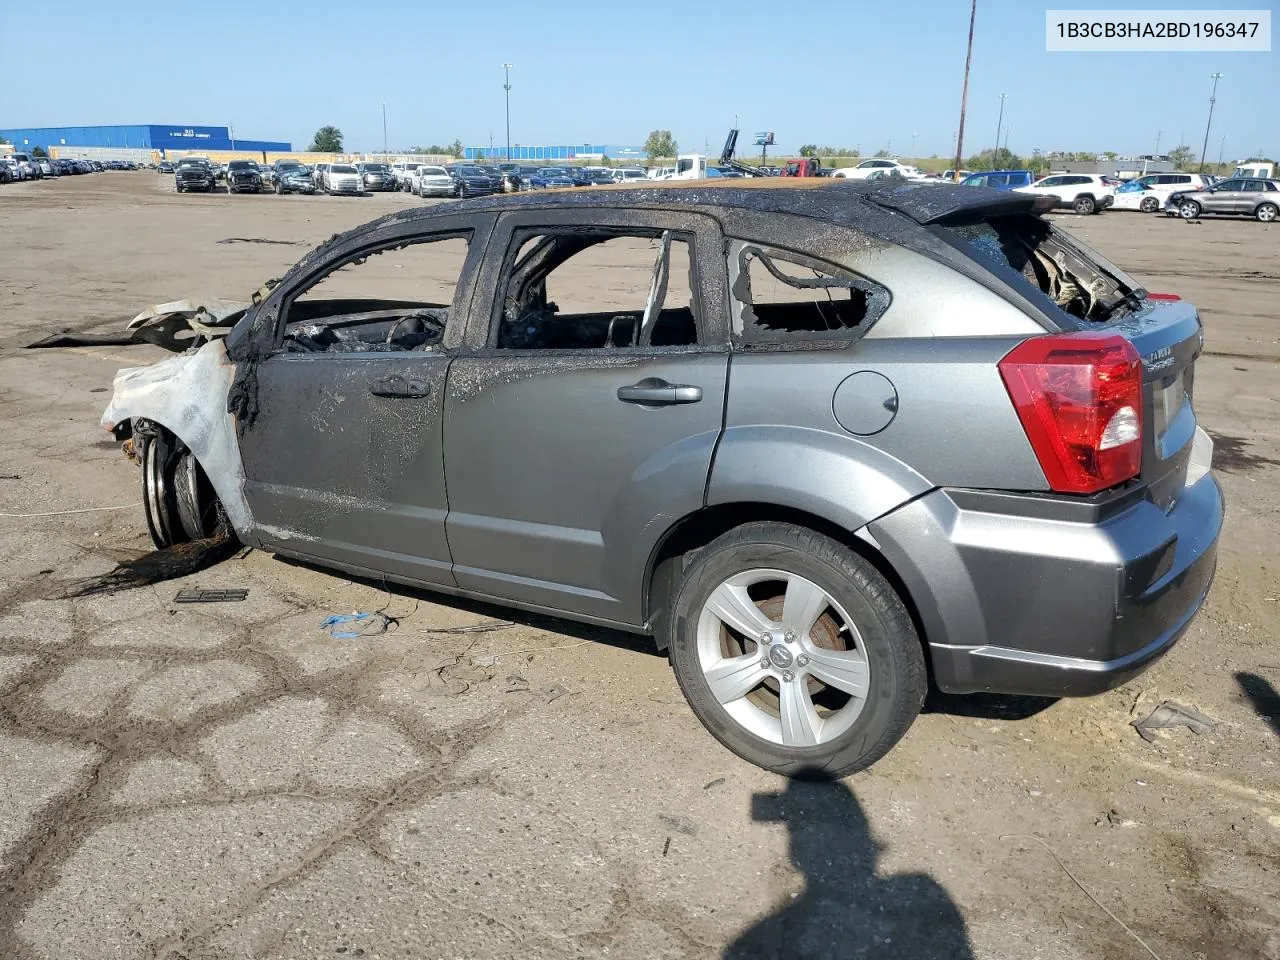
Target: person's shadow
847,910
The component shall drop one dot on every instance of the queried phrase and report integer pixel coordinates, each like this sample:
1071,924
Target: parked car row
24,166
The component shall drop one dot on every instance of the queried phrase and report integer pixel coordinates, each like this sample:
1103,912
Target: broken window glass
387,300
598,289
1071,275
787,296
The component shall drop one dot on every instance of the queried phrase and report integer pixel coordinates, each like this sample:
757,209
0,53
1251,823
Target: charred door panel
344,460
558,489
582,424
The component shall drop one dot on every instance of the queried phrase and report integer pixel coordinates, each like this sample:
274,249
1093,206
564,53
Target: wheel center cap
780,656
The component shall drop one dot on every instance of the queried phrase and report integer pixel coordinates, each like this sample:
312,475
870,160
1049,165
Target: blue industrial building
145,136
577,151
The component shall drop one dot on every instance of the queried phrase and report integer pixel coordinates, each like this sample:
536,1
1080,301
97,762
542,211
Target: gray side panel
829,474
955,424
558,490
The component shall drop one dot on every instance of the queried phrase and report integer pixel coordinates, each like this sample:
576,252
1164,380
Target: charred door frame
590,561
388,519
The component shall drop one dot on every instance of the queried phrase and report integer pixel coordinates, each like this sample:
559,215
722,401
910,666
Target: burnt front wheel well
179,502
683,541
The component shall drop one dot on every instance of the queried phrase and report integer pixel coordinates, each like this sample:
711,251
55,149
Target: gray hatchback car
821,440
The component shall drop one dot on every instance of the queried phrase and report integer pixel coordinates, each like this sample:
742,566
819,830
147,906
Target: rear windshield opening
1066,272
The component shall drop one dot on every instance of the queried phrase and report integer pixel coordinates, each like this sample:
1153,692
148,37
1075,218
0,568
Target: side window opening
599,289
781,296
391,299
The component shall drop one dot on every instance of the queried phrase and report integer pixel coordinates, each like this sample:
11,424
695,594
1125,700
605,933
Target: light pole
999,125
1212,99
506,89
385,150
1221,150
913,143
964,93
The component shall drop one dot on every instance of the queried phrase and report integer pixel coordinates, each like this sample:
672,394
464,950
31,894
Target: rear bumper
1018,596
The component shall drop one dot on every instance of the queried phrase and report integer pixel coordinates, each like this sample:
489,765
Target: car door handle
658,392
397,386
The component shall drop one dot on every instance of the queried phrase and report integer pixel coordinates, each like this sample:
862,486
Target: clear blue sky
834,72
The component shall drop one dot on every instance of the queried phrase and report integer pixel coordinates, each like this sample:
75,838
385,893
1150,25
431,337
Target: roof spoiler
927,203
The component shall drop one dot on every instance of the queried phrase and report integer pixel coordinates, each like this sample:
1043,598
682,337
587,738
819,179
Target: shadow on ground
847,910
402,597
1262,696
986,706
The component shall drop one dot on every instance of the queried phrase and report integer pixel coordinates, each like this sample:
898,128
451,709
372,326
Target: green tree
809,150
455,149
38,152
882,154
660,143
1001,159
1181,156
328,139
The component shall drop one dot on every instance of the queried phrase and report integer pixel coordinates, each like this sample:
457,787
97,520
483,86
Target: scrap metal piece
1170,714
219,595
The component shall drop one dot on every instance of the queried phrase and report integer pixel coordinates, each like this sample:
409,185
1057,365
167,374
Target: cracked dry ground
228,781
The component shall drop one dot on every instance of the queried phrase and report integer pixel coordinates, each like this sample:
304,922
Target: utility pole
913,143
999,125
1212,99
964,93
385,150
231,129
506,90
1007,131
1223,149
1157,153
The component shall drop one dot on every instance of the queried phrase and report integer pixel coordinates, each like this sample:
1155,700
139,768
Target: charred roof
849,202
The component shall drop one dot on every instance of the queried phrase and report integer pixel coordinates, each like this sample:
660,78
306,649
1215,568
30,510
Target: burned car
822,440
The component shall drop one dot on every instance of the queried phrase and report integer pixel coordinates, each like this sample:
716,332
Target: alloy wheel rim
782,658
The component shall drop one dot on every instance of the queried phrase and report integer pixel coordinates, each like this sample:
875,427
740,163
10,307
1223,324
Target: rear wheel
1084,205
1266,212
795,652
1149,205
1189,210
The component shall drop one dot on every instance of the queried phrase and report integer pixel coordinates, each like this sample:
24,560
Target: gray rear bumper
1017,594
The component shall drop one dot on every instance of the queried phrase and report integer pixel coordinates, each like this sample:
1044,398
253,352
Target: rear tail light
1162,296
1079,397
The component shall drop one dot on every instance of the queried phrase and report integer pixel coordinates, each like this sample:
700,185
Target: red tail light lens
1079,397
1163,296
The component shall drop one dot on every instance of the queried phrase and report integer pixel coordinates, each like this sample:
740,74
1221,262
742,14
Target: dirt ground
227,781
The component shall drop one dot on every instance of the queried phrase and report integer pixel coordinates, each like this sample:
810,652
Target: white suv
1083,192
1149,193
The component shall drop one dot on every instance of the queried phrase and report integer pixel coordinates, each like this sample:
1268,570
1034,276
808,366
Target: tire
1149,205
279,190
1266,212
179,502
861,635
1189,210
1084,205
